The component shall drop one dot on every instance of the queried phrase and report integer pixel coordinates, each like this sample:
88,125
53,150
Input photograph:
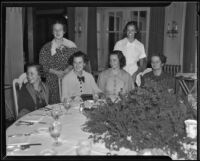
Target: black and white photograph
99,78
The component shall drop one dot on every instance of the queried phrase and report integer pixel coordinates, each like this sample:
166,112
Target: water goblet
84,147
55,113
67,105
55,131
95,97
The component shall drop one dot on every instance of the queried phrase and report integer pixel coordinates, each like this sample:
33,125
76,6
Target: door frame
103,11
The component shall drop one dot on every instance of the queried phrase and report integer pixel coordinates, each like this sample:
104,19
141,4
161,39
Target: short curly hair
121,57
38,67
78,54
162,57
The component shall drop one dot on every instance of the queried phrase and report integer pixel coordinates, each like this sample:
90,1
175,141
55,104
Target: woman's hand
68,69
60,73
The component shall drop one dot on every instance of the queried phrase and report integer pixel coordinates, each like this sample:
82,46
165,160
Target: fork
24,123
26,146
25,134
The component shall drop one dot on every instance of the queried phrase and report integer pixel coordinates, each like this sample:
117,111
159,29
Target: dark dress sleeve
25,101
43,57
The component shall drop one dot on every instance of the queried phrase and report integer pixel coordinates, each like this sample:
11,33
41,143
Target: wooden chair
138,77
17,84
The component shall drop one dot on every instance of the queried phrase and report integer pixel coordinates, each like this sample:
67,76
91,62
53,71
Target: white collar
83,73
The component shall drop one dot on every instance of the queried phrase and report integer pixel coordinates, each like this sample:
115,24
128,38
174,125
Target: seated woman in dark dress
34,94
158,75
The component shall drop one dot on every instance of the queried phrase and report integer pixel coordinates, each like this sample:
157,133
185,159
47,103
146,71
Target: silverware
47,109
26,146
31,122
25,134
42,122
24,123
37,114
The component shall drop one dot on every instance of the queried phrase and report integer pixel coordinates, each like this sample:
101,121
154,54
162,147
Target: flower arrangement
147,117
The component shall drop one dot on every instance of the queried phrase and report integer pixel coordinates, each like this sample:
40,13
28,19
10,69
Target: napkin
17,141
99,149
33,118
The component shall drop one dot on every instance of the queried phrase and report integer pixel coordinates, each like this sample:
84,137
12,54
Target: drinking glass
95,97
55,113
67,105
84,147
55,131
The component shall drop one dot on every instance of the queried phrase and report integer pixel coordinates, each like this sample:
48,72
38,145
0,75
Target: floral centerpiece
147,117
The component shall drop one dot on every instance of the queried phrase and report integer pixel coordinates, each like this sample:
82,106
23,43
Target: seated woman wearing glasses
78,82
34,94
115,79
158,75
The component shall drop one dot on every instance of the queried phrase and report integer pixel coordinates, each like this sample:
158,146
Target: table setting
66,129
52,130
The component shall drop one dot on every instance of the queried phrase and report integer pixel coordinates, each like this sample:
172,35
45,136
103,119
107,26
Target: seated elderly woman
78,82
115,80
34,94
157,74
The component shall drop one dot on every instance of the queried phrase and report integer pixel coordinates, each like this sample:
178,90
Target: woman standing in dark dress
54,57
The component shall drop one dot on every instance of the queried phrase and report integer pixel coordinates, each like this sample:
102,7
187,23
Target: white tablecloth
71,133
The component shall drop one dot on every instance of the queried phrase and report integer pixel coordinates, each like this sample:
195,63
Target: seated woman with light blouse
115,79
78,82
34,94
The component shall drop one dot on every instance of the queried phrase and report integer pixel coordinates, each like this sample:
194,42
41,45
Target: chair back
172,69
60,88
138,77
17,84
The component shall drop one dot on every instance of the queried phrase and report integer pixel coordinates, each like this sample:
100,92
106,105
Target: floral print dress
59,61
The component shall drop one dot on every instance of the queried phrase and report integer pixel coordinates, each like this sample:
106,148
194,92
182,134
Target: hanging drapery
92,38
14,44
71,23
190,40
156,31
14,63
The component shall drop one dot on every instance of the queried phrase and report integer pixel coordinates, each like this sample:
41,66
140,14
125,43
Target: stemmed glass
55,113
95,97
67,105
55,131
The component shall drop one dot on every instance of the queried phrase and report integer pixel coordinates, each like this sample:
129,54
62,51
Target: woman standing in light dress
54,57
132,49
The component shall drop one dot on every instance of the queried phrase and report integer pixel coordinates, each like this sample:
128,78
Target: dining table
33,129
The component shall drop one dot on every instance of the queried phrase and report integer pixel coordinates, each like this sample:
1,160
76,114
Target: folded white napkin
13,141
33,118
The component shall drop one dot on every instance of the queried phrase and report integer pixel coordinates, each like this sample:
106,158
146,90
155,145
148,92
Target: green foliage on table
147,117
